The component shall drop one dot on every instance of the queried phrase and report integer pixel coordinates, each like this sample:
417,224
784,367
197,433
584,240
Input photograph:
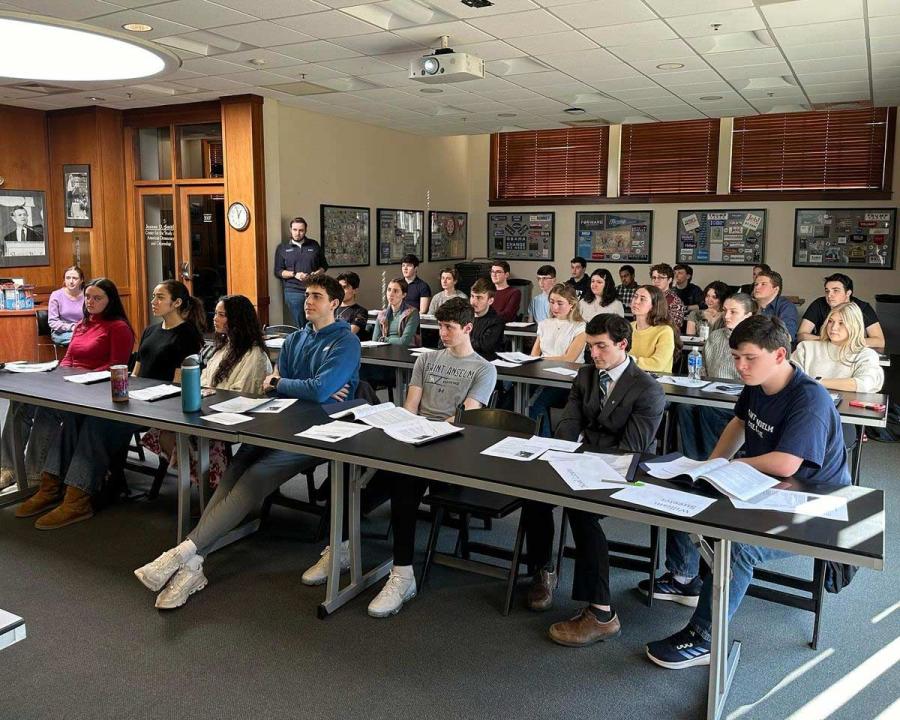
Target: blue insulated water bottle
190,384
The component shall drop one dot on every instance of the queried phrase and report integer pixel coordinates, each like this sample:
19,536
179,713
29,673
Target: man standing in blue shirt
767,293
539,307
788,426
295,263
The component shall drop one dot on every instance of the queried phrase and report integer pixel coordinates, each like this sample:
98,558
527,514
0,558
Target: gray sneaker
187,581
396,591
157,573
318,573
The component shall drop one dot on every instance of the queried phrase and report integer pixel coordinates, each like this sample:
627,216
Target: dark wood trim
746,197
890,139
201,112
242,99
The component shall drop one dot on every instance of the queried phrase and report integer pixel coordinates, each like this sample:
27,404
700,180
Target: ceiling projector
446,66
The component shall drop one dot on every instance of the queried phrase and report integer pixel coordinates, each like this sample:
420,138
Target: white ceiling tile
840,97
824,50
537,106
263,34
597,59
592,76
745,72
161,28
317,51
269,59
688,113
515,66
220,83
491,50
689,65
211,66
608,12
822,78
878,8
520,24
327,25
805,12
547,43
633,96
659,52
680,78
361,66
861,88
457,9
461,33
535,81
884,26
720,43
68,10
197,13
396,14
730,21
379,43
745,57
789,93
258,77
634,83
268,9
675,8
821,32
391,80
630,33
664,103
852,62
882,61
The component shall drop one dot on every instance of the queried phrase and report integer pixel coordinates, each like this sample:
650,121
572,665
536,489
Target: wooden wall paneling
110,200
242,133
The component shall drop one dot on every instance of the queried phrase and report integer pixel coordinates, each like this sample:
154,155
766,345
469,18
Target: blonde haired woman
840,359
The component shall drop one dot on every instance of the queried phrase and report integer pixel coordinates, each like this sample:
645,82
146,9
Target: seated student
653,338
691,295
615,406
239,363
560,337
579,279
65,309
788,426
661,276
418,292
449,278
539,307
507,299
487,327
92,442
629,285
441,381
101,339
713,315
316,363
757,269
839,359
698,425
838,290
398,323
767,293
351,311
600,297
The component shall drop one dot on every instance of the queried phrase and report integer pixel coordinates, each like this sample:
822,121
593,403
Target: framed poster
845,238
400,232
447,235
620,236
721,237
345,235
77,200
23,241
521,235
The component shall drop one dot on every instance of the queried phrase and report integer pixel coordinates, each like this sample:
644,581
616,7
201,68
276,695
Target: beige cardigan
245,377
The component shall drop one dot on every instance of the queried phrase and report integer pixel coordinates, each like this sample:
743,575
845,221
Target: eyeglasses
659,277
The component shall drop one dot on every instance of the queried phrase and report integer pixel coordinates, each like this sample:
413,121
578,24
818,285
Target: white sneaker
188,580
318,573
157,573
396,591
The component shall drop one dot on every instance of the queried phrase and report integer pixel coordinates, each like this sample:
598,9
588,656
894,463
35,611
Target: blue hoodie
315,365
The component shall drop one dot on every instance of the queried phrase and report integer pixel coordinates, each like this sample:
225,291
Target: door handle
185,271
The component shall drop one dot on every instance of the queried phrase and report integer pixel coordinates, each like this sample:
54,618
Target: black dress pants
591,583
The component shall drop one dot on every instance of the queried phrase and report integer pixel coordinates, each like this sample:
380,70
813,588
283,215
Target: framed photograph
77,200
861,238
400,232
521,235
721,237
447,235
23,219
619,236
345,235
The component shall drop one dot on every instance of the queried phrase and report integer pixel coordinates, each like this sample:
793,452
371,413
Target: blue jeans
24,416
743,559
91,443
682,556
295,300
61,337
700,428
542,401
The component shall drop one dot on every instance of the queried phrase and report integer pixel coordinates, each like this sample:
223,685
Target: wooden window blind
549,164
826,150
669,158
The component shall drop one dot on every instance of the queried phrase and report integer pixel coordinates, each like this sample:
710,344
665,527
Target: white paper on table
682,381
620,463
516,323
422,350
420,430
20,366
567,372
333,432
691,339
673,502
373,343
275,343
274,406
427,316
723,388
239,404
504,363
566,446
682,466
157,392
517,357
515,448
390,416
361,411
227,418
832,507
88,377
586,473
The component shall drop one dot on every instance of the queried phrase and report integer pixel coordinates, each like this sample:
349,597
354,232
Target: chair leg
139,449
513,578
818,597
437,519
654,558
464,535
563,532
158,478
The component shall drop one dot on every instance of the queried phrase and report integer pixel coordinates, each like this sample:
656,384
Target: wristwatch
273,382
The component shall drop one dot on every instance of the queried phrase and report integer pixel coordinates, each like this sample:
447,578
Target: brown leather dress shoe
48,495
584,629
540,594
76,506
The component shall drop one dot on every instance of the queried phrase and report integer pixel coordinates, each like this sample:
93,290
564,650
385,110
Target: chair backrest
43,323
279,329
498,420
366,392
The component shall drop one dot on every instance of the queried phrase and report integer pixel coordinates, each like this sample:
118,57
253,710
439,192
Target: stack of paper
525,449
586,471
421,350
275,343
518,358
673,502
420,430
833,507
88,377
373,343
157,392
226,418
333,432
566,372
682,381
20,366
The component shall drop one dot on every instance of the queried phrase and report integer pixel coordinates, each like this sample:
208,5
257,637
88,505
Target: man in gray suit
614,406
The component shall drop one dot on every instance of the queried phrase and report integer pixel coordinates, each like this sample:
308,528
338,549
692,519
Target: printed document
226,418
333,432
567,372
419,430
681,381
734,479
673,502
833,507
88,377
239,404
588,472
157,392
519,358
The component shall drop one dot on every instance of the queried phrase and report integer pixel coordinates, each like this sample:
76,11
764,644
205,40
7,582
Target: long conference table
858,541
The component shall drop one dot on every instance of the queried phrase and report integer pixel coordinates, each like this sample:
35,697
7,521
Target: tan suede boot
7,477
76,506
48,495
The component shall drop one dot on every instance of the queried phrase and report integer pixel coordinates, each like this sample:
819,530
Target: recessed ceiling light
94,98
137,27
711,97
58,50
670,66
257,61
574,111
506,114
431,90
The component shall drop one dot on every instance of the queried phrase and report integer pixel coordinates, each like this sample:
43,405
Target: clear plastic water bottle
703,331
695,364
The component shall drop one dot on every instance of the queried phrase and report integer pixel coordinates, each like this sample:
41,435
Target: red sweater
98,344
506,303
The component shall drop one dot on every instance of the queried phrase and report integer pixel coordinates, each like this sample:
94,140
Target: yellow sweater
653,348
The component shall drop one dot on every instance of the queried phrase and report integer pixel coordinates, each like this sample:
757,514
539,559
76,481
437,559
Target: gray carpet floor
250,646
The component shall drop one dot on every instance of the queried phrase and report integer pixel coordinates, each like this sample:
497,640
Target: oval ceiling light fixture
574,111
40,48
670,66
711,97
137,27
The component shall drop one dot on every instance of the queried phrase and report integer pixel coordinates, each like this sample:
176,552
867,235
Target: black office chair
42,318
279,329
469,502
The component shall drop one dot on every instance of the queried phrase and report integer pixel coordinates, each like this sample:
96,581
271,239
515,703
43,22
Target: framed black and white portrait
23,239
77,201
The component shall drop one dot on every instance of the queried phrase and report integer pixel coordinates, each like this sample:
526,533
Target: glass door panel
158,229
204,246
